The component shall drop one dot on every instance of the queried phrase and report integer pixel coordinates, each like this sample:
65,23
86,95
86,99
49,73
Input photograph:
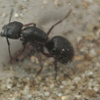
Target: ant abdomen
61,49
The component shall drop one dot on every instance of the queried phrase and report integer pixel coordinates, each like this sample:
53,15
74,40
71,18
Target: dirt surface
81,28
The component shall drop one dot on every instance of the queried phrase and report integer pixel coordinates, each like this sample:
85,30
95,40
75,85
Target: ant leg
47,54
10,15
6,34
39,59
55,67
55,64
30,24
15,57
9,47
58,22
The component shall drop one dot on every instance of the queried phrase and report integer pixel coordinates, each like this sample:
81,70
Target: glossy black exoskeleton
58,47
12,30
61,49
35,36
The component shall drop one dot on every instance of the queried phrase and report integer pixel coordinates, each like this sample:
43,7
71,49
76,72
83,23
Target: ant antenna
6,34
59,22
11,15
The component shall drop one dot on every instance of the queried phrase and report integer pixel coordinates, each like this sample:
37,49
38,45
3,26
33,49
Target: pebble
78,97
72,87
37,98
96,89
89,73
64,82
9,83
80,57
77,79
34,59
26,90
63,98
16,15
61,86
9,86
41,94
47,94
59,94
29,96
83,75
58,3
45,1
79,39
52,86
93,53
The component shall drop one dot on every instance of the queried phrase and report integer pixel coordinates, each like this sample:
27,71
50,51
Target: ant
58,47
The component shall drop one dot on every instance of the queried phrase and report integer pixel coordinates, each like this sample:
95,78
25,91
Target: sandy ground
81,28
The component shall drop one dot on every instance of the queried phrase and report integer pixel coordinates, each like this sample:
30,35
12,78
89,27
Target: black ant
58,47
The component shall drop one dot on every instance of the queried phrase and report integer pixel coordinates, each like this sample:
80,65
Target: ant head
12,29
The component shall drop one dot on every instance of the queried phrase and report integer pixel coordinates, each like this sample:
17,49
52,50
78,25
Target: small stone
9,86
52,86
89,73
61,86
64,83
80,57
16,15
26,90
72,87
98,32
9,83
77,97
77,79
29,96
96,89
63,98
59,94
83,75
79,39
97,64
90,84
45,1
46,94
37,98
93,53
58,3
41,94
37,61
32,59
84,49
45,88
13,98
